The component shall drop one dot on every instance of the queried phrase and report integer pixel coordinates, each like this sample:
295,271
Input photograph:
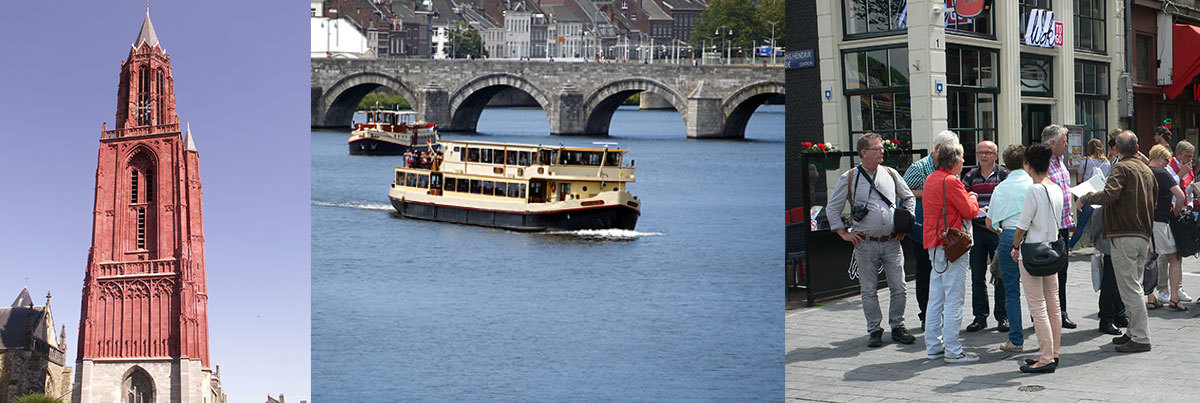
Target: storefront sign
1075,145
799,59
968,8
1042,30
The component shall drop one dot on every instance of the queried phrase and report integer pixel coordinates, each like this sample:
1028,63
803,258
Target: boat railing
139,131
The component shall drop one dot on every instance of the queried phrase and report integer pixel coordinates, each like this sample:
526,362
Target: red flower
821,146
806,144
896,142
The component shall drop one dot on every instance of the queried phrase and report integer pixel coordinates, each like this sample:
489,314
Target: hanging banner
1042,30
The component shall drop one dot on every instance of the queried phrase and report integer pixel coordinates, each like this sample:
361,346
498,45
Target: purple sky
241,79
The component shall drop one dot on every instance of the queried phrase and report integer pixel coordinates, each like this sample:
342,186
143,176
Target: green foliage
634,99
386,101
746,18
37,398
465,41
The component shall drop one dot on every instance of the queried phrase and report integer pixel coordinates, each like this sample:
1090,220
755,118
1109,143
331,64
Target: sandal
1153,304
1176,306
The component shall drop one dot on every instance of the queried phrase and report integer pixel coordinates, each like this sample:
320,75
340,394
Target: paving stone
827,358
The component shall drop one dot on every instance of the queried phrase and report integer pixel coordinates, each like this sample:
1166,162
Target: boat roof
559,147
389,111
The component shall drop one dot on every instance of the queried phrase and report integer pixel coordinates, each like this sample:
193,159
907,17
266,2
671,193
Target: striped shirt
975,182
915,176
1059,173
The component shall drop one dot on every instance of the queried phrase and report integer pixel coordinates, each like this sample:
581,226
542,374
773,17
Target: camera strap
863,172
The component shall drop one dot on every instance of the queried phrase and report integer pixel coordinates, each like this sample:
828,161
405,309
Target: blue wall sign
799,59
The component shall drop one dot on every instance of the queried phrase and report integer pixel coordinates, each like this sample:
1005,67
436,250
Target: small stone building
32,355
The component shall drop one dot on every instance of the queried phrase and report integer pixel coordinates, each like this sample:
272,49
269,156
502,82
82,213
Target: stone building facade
143,329
32,354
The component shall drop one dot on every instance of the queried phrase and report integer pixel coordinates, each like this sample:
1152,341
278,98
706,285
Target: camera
859,212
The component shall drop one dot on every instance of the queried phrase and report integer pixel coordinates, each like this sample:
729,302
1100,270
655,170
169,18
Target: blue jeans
1084,214
946,290
1011,274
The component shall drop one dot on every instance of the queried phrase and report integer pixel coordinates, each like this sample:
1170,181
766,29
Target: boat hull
376,146
600,217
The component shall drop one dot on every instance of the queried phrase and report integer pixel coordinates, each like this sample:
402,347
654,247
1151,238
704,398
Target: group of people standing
1026,201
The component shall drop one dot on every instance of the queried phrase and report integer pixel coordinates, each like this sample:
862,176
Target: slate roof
146,34
15,320
654,12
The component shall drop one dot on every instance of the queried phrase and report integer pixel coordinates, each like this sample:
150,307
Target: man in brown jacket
1128,198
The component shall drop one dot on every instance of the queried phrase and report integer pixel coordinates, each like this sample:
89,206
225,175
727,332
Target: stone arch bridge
578,98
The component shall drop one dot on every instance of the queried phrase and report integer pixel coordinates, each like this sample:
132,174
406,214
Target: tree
772,11
465,41
742,17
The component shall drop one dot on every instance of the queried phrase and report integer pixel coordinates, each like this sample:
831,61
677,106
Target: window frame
1100,98
902,134
1049,74
1103,27
848,36
952,90
991,24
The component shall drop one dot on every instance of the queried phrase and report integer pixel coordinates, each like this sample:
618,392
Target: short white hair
1052,132
945,138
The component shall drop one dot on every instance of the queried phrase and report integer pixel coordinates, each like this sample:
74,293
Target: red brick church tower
143,331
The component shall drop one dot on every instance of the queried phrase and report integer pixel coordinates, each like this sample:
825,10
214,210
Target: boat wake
355,205
612,233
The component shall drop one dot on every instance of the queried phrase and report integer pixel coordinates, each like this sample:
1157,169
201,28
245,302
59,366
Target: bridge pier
704,119
567,114
433,105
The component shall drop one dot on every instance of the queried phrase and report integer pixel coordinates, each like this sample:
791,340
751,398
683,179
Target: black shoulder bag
902,219
1044,258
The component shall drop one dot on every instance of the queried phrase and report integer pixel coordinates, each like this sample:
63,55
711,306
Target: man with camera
881,207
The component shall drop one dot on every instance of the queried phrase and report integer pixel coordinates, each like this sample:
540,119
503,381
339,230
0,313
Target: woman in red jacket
947,282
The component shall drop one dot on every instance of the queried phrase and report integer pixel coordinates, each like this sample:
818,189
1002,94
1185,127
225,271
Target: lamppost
772,40
725,39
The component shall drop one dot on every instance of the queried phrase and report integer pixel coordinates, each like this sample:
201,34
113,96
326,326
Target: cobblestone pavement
828,358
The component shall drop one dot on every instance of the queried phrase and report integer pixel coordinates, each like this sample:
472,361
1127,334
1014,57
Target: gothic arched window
138,387
141,198
160,101
144,102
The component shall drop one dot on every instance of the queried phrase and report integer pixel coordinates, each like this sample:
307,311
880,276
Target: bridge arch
604,101
339,102
739,106
467,103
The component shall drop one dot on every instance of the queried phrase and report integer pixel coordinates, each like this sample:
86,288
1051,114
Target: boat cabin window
423,181
510,157
435,181
399,178
564,190
522,193
613,159
485,155
464,185
411,180
545,157
514,190
523,158
488,187
501,189
476,186
473,154
450,184
537,191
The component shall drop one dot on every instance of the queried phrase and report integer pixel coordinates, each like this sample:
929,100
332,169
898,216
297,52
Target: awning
1187,58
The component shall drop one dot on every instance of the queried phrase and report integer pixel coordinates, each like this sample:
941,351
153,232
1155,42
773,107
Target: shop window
980,25
876,83
972,86
874,17
1089,25
1036,75
1091,99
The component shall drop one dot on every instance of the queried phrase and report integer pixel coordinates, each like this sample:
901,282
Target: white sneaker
962,358
1183,296
1162,296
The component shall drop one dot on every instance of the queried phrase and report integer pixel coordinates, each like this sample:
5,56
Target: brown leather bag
955,241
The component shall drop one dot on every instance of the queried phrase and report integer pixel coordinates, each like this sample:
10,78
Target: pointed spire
146,34
191,146
23,299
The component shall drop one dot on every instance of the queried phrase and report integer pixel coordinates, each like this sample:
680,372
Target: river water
686,307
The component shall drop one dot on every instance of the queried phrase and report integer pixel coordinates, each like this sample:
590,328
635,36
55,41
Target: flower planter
826,161
897,160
